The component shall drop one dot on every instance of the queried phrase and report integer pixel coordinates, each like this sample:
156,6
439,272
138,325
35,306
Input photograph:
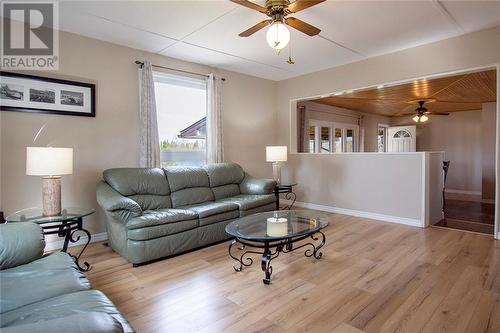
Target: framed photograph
29,93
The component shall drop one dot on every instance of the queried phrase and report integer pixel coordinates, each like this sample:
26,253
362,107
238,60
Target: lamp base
277,172
51,194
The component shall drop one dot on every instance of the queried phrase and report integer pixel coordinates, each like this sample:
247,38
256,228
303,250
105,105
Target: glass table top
277,225
36,215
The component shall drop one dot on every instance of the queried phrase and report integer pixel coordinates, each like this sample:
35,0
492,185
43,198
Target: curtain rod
140,63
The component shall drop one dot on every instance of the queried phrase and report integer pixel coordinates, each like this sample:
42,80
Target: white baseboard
359,213
57,245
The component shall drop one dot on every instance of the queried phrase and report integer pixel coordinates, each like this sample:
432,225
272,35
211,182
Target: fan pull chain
290,61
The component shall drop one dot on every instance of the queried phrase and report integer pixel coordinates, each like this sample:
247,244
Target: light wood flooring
373,277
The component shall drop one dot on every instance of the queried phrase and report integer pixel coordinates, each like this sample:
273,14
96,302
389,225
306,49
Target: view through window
181,105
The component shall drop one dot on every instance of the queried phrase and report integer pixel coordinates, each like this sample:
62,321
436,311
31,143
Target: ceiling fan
278,34
422,112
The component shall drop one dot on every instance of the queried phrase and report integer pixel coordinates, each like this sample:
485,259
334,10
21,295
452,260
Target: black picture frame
86,90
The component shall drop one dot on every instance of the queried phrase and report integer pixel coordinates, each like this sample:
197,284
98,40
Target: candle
277,227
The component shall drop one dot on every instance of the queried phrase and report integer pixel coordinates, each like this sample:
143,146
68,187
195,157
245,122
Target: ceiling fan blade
438,113
299,5
251,5
302,26
255,28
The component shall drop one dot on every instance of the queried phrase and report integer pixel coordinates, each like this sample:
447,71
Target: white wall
459,135
464,52
111,138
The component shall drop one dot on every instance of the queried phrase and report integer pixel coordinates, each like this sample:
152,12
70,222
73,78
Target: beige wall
111,139
468,51
345,181
459,136
488,136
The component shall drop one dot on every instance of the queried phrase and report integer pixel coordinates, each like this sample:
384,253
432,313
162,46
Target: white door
402,139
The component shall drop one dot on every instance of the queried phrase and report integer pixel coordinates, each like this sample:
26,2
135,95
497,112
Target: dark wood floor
469,216
373,277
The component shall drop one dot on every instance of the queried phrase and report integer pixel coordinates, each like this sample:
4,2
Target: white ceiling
206,32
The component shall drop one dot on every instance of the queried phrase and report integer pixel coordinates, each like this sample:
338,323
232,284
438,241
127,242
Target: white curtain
215,147
149,142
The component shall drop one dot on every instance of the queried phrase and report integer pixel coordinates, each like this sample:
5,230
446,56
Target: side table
66,225
286,189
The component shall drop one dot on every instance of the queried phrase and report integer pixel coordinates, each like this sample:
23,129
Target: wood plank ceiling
464,92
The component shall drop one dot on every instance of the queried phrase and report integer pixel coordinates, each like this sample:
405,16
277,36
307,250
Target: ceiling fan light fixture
416,119
424,118
278,36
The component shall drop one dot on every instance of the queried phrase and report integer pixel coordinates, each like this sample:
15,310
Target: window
181,104
402,134
332,137
338,140
325,140
382,138
312,139
349,140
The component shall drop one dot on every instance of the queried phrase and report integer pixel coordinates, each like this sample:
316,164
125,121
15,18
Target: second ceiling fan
422,112
278,35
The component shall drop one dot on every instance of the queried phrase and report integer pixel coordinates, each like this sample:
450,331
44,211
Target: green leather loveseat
155,213
48,293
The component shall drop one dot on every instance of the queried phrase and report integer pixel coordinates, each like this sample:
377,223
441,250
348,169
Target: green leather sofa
48,293
155,213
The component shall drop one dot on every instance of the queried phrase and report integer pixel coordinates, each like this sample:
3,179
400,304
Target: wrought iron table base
68,230
272,249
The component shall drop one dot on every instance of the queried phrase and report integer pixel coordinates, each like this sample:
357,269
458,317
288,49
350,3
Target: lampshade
48,161
278,36
276,153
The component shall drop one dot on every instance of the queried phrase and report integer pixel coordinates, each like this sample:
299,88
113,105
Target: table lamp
276,154
51,164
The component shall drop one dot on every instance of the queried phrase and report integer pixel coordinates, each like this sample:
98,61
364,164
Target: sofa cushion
224,173
161,216
63,306
211,208
155,231
186,177
225,191
219,217
148,187
191,196
249,201
260,209
85,322
20,243
130,181
51,276
151,202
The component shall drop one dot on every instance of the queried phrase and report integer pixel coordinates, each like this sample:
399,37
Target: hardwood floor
373,277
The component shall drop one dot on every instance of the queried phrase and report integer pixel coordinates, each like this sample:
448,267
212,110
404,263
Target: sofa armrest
112,201
20,243
251,185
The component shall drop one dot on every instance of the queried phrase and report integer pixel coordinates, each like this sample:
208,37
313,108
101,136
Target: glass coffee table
65,225
272,233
